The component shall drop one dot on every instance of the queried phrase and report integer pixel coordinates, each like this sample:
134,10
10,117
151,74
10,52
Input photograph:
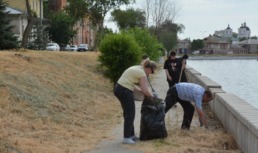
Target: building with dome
244,31
227,33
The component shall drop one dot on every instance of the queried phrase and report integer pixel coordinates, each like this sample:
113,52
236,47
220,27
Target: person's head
149,66
207,96
185,56
145,56
172,55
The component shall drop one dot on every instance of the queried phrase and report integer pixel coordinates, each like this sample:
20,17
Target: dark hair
145,56
185,56
208,93
172,53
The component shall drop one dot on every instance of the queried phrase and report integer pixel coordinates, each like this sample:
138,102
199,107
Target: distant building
216,45
17,20
250,44
244,31
228,33
18,15
183,46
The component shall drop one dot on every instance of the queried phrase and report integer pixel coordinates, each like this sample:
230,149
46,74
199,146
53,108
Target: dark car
83,47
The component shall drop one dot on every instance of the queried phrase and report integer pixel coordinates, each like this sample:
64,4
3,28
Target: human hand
155,95
201,124
169,78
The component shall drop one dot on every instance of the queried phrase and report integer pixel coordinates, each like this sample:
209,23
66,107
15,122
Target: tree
167,33
32,19
158,11
98,9
148,43
61,35
197,44
129,18
118,52
78,9
7,39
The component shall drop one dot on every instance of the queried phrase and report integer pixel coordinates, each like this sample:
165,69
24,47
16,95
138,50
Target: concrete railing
237,116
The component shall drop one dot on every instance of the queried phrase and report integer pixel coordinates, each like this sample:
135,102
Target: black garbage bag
152,119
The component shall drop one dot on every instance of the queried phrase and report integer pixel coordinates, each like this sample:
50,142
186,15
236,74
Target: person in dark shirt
181,66
172,69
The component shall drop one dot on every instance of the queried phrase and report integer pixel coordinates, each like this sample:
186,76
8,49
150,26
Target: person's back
131,76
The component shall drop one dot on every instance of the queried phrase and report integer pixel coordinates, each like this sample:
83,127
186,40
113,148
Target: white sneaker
128,141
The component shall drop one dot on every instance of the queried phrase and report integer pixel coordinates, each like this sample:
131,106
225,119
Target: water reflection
239,77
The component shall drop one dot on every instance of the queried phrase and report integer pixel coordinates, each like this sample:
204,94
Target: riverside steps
237,116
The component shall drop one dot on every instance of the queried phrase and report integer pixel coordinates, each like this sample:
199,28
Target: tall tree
32,19
78,9
7,39
129,18
99,8
158,11
61,35
167,33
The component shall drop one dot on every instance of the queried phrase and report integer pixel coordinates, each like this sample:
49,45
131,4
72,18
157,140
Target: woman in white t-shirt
124,92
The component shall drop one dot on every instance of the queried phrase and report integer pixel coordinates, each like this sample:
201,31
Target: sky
203,17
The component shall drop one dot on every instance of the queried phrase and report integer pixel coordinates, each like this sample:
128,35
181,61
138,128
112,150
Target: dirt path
196,140
113,143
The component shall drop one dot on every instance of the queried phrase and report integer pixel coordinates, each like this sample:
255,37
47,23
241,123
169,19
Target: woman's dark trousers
125,96
172,98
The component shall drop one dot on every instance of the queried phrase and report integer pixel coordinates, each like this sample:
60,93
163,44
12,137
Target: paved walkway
114,144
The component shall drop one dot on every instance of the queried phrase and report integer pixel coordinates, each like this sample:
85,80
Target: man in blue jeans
185,93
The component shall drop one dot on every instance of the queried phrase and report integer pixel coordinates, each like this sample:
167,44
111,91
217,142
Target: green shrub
118,52
148,43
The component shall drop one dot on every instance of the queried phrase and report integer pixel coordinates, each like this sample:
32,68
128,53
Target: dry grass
196,140
57,102
53,102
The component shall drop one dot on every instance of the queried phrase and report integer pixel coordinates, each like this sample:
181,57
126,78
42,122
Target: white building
227,33
17,20
244,31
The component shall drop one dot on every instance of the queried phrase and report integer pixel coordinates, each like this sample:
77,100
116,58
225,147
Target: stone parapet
236,115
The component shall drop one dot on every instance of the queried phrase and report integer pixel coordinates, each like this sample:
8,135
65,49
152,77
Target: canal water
239,77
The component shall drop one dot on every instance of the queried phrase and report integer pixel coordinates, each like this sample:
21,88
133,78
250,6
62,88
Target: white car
83,47
73,48
53,47
196,52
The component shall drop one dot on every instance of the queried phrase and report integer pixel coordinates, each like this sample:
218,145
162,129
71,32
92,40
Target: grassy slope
53,102
57,102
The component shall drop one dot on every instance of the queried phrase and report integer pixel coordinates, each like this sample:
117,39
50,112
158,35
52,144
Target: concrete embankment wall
237,116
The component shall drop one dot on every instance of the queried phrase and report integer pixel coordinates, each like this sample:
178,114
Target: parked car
196,52
83,47
73,48
53,47
65,47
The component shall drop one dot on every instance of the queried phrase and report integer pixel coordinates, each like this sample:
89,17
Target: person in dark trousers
181,66
184,93
171,69
124,92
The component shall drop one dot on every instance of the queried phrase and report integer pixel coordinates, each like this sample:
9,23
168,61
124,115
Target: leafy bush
118,52
149,44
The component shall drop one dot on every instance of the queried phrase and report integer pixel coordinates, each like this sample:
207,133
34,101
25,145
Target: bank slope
54,102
